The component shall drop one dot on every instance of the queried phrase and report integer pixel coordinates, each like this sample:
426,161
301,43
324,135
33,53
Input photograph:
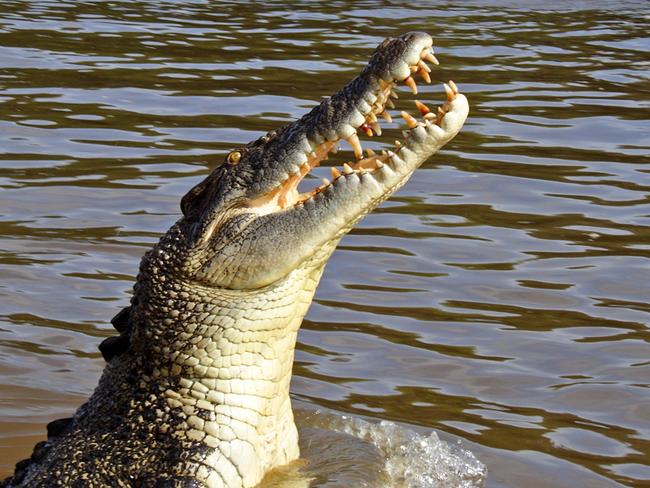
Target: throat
223,367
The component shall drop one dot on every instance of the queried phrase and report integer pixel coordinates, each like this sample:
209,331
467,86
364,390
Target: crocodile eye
234,157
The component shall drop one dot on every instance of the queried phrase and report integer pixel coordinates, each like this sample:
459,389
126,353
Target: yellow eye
234,157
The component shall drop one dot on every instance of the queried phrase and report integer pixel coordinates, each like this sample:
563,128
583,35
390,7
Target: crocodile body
196,388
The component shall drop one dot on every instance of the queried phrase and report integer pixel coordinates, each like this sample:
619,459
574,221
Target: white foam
410,460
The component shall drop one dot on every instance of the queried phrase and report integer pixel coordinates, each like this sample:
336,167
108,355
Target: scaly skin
196,389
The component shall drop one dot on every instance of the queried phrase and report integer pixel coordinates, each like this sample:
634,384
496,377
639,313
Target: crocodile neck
222,359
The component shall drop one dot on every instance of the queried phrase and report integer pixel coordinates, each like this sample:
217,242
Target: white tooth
347,169
353,140
379,164
450,93
431,58
326,182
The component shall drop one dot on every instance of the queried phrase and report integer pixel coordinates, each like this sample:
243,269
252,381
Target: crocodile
195,392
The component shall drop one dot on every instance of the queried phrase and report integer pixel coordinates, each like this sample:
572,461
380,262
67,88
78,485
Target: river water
500,299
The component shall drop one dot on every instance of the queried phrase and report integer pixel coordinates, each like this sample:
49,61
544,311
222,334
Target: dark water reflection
501,296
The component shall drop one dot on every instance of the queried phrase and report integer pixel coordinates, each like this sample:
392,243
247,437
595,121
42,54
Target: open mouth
365,123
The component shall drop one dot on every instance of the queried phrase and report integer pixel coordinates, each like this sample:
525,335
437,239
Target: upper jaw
356,109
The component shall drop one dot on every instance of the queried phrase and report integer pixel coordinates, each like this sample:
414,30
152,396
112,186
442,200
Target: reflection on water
501,297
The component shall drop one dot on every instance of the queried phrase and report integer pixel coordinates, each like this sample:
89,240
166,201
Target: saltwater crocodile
196,387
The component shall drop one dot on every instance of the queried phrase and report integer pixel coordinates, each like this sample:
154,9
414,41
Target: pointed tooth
410,82
441,111
425,76
449,92
453,87
347,169
371,117
370,152
366,129
379,164
429,116
410,121
326,182
431,58
356,145
393,94
335,173
424,66
422,107
375,127
398,143
389,103
386,116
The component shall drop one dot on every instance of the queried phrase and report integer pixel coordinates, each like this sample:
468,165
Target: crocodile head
247,225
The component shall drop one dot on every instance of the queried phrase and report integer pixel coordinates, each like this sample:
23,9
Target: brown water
501,297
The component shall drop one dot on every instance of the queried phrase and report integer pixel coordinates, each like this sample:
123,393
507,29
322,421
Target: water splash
365,454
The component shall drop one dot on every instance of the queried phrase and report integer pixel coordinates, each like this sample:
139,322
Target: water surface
500,298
